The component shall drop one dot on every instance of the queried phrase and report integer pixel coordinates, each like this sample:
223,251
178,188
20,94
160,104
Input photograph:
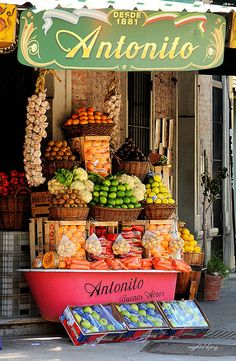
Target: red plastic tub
53,290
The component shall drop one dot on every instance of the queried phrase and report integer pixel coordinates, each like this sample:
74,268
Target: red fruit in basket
21,174
111,237
13,173
3,175
14,180
5,182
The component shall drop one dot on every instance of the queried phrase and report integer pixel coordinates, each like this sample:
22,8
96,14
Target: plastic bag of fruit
176,243
115,264
160,263
151,242
181,266
93,246
120,246
132,263
70,241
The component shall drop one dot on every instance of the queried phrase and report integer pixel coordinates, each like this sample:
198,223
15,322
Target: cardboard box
150,316
74,318
186,318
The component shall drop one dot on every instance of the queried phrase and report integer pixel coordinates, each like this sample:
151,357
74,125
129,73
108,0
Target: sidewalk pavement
221,314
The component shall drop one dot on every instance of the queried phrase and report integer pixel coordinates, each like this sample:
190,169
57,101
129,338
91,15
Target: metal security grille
139,109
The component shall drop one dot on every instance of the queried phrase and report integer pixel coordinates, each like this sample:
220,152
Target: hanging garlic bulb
112,105
36,123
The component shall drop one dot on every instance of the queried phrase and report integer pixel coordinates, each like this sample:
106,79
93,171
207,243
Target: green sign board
121,40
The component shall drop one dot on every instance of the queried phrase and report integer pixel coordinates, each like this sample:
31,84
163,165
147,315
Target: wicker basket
50,166
68,214
139,169
15,211
184,281
114,214
159,211
88,129
194,259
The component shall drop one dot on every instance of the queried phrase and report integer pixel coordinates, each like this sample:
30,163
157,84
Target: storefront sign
121,40
91,288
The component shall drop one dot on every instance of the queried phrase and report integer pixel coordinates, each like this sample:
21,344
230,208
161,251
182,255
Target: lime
114,183
152,194
147,185
120,194
111,201
126,200
103,193
121,187
151,180
133,200
130,206
112,195
106,182
96,200
137,205
124,206
128,193
109,205
117,206
100,205
103,200
149,200
112,189
127,186
104,188
96,194
93,203
97,187
155,190
155,184
119,201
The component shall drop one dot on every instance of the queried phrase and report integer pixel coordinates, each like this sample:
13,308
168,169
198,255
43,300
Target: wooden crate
163,141
166,173
40,202
39,243
44,234
112,227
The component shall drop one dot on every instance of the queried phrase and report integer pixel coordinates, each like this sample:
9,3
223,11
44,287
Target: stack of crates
16,300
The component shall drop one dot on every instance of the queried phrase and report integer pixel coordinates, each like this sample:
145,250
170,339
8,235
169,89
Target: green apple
95,315
86,324
88,309
134,307
142,313
151,305
103,321
125,313
142,324
118,308
77,317
93,329
150,318
111,327
157,323
134,319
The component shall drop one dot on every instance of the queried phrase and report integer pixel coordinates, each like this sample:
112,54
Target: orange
81,114
91,121
109,121
97,117
98,121
90,109
91,117
90,113
69,121
83,117
74,116
83,122
167,237
62,264
76,122
98,113
165,244
81,110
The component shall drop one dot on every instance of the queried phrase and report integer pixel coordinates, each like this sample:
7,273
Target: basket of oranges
87,121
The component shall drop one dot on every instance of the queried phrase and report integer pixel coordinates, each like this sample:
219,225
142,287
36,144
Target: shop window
139,108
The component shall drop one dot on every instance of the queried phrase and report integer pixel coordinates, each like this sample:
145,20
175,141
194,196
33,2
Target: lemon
186,249
157,178
152,194
155,184
185,231
195,242
165,201
148,186
191,237
148,191
191,249
155,190
160,196
197,249
191,243
171,201
149,200
157,201
184,237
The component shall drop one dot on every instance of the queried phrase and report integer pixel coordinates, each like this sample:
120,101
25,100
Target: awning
163,5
